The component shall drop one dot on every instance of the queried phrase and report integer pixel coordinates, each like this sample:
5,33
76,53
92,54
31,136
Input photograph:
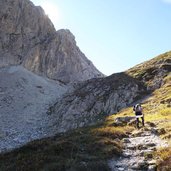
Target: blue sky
114,34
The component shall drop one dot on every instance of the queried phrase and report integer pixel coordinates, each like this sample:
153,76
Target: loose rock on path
138,152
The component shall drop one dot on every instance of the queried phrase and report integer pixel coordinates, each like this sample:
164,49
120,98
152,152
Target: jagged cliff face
28,38
23,27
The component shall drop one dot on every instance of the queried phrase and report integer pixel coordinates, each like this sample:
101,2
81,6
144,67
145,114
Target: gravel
24,101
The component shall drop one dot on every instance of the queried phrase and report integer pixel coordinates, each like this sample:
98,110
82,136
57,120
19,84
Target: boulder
152,168
124,120
158,131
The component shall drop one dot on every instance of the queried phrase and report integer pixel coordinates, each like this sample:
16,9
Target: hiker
138,113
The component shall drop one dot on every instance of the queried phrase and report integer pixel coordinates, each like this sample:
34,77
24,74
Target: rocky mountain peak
28,38
66,35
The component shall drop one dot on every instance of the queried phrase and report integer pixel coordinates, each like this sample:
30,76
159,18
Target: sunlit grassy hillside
157,109
157,106
152,72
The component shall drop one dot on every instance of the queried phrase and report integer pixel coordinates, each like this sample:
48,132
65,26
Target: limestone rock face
22,27
28,38
94,99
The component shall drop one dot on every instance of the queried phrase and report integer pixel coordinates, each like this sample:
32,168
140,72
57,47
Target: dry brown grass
81,149
164,161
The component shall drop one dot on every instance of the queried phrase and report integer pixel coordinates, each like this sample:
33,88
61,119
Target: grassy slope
88,148
157,107
162,117
77,150
148,71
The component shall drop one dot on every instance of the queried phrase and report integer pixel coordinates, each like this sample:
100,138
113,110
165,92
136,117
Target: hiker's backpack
137,108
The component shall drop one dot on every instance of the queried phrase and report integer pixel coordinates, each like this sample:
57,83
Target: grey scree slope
24,100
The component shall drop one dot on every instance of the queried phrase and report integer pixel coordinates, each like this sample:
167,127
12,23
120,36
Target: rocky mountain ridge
28,38
94,99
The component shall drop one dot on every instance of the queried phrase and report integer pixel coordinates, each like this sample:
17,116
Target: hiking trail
138,151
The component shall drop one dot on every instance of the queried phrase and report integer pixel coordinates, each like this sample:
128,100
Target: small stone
143,165
148,155
152,162
127,154
139,166
151,145
135,167
121,169
152,168
126,140
131,147
153,148
142,147
158,131
117,140
141,153
137,134
154,131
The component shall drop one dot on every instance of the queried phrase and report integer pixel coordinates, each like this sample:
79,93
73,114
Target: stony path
137,154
